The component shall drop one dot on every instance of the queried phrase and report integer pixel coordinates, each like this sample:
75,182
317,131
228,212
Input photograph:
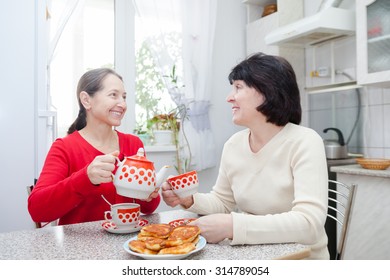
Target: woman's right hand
171,199
100,169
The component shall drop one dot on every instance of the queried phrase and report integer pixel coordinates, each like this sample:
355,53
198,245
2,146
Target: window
158,58
86,40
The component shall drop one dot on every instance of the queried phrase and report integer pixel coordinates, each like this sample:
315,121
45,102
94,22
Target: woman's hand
171,199
100,169
153,195
215,227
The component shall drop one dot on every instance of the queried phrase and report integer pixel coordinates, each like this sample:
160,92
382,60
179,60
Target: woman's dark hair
274,78
90,82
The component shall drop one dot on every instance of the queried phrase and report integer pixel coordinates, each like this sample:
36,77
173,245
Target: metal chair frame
341,213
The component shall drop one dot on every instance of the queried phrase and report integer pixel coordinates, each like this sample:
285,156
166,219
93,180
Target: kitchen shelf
378,39
259,2
333,87
255,8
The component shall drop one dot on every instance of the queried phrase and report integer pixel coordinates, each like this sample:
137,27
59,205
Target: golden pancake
154,243
140,247
196,240
156,230
181,249
182,234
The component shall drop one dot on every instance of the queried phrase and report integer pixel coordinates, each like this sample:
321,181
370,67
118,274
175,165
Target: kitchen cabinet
258,27
373,42
368,233
255,8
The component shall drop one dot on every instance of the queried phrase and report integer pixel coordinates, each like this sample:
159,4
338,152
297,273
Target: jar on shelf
269,9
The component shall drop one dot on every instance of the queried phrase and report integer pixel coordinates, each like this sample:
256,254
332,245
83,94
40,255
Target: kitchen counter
368,233
91,241
356,169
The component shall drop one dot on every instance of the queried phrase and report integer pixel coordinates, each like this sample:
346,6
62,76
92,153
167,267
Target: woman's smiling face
109,104
244,101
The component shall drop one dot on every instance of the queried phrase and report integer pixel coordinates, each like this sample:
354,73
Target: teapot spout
160,176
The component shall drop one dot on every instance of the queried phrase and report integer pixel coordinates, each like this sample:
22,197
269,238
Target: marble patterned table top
91,241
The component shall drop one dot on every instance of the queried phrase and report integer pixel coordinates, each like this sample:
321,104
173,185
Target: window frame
124,57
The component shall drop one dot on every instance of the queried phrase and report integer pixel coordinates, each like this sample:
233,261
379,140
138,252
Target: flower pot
145,138
163,137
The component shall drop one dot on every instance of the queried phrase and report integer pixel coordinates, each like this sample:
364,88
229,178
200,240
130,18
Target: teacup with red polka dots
124,214
184,184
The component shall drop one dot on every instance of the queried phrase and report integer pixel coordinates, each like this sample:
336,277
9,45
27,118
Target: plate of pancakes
165,242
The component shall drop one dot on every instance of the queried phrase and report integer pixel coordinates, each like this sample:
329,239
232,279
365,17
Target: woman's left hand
215,227
153,195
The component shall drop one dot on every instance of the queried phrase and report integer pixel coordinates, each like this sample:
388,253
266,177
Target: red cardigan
64,191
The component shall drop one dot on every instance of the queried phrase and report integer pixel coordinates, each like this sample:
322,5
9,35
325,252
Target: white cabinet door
373,42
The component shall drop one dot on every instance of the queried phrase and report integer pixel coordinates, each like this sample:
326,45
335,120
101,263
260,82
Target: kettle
335,149
136,176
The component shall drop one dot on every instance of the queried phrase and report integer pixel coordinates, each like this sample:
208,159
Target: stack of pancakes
163,239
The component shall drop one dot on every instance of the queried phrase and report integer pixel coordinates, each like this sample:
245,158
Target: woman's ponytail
90,82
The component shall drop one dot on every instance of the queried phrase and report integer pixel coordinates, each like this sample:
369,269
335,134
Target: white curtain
198,39
197,20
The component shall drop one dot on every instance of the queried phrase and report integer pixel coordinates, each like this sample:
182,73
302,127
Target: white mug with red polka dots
124,214
185,184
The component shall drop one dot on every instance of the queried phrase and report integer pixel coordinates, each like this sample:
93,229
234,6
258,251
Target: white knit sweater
276,195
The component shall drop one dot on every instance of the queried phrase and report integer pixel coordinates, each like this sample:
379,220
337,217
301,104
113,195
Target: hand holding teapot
100,169
137,178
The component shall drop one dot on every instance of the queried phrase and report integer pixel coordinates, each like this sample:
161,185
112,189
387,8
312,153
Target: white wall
17,32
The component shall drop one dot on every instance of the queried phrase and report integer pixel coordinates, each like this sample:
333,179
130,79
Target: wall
17,111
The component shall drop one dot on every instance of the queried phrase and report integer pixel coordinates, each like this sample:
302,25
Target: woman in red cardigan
78,167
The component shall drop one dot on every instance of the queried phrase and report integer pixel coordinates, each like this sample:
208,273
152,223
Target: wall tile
373,127
375,95
386,125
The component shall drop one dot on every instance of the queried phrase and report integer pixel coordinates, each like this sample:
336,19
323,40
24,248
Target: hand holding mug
172,199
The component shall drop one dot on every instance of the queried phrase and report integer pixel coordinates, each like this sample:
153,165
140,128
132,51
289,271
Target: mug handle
106,214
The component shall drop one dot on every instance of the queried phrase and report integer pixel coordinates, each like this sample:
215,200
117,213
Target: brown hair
90,82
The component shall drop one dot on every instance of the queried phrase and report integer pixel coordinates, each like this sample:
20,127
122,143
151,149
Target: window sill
159,148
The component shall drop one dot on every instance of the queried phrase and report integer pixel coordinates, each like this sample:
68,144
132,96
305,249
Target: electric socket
323,71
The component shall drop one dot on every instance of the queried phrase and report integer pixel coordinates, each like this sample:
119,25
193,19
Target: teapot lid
140,155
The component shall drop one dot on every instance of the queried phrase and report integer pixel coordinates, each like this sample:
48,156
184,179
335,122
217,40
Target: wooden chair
37,224
340,206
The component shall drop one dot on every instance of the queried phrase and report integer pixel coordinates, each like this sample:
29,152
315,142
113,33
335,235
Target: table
89,241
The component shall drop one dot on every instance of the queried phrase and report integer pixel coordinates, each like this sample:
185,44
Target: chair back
340,205
38,224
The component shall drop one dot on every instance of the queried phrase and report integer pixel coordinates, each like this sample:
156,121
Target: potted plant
164,127
142,132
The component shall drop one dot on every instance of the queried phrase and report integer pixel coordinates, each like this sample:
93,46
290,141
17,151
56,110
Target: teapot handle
118,164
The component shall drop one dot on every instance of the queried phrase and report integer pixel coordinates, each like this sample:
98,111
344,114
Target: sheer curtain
197,21
198,40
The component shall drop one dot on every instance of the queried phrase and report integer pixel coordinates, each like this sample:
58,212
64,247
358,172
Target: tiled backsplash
339,109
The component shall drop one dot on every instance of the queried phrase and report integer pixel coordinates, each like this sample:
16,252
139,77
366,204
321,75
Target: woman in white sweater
272,185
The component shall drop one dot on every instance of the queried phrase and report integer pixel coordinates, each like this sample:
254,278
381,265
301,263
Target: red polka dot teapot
136,176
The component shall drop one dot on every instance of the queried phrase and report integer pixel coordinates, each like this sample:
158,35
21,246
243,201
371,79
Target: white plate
111,227
199,246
